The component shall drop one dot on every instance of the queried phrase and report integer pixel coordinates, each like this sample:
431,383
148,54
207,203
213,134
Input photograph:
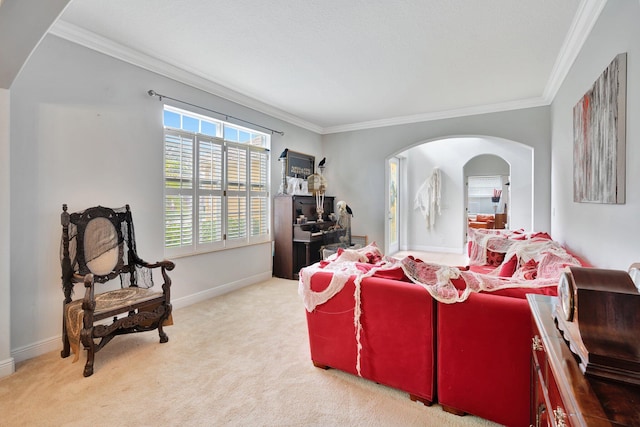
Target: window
483,186
216,184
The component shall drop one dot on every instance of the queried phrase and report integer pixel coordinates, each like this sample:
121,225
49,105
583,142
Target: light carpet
241,359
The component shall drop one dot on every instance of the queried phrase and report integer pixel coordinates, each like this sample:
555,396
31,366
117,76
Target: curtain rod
227,116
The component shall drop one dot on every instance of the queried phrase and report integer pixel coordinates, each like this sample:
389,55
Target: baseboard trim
459,250
220,290
55,344
37,349
7,367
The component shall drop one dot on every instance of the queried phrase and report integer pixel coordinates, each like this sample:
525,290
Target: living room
71,112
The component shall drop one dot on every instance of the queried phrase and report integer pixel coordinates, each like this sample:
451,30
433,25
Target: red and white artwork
599,127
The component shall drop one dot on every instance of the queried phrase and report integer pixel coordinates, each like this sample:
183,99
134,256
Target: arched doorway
451,155
487,182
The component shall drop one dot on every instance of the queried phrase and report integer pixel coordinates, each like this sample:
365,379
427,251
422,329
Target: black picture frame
300,165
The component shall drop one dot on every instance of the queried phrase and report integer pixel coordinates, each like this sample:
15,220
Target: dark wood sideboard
299,245
562,395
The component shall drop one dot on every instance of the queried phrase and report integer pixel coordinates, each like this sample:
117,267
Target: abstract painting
599,128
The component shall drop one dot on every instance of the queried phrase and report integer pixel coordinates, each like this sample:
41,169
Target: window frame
245,190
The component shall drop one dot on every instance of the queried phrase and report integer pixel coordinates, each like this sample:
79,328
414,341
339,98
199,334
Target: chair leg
90,345
66,347
88,367
163,336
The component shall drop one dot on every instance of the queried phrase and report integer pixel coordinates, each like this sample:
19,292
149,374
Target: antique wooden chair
98,245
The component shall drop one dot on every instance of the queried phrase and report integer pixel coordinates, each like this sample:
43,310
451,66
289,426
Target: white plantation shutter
209,219
216,190
178,221
178,170
178,173
210,164
236,192
259,195
210,191
483,186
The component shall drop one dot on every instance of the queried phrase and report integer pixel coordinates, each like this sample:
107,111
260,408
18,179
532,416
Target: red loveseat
471,357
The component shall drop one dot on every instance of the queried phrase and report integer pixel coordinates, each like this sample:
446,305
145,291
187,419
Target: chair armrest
88,306
166,264
89,302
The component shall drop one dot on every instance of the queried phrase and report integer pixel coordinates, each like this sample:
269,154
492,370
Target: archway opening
487,199
451,155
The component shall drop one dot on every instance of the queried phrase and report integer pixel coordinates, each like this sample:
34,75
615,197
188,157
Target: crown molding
586,17
440,115
90,40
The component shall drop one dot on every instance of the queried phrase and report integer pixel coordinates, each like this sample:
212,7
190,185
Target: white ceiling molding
587,15
100,44
461,112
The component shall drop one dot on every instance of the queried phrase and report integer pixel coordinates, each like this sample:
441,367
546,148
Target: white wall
6,361
356,161
451,155
605,234
85,132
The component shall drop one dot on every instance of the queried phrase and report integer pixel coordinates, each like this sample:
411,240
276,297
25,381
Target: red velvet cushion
522,292
459,283
508,267
494,258
482,269
392,274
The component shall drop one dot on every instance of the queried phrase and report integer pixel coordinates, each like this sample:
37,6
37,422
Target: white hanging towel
428,198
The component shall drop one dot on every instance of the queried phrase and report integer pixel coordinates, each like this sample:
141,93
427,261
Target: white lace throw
343,265
428,198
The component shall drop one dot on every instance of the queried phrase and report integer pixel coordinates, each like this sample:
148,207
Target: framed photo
300,165
599,138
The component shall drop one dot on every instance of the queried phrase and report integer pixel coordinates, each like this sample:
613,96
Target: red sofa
471,357
397,336
484,357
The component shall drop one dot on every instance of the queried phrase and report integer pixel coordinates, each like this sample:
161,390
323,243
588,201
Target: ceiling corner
585,19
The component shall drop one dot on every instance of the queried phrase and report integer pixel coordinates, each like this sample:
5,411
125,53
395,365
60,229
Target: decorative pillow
509,267
393,274
529,269
494,258
371,252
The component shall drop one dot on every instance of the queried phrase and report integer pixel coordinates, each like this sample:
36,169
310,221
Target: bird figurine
321,164
284,153
348,209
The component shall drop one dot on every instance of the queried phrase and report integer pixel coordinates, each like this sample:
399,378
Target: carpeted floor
241,359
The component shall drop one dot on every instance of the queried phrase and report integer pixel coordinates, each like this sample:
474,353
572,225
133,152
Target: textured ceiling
337,64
